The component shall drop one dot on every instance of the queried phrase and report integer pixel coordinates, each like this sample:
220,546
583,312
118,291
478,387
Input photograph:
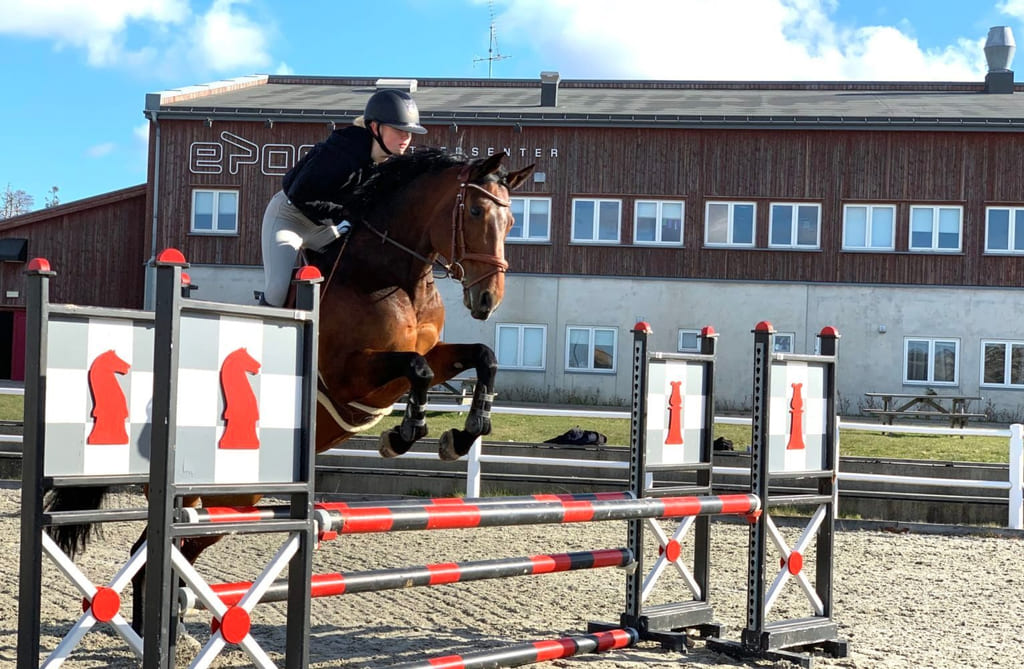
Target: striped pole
329,585
239,514
435,517
531,653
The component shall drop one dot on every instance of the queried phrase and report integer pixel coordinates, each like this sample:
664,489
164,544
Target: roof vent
999,50
549,89
407,85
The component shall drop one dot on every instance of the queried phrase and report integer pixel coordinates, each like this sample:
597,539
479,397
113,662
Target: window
729,224
1002,363
215,212
533,219
521,346
794,226
1004,230
935,228
931,361
590,349
596,220
658,222
869,226
784,342
689,341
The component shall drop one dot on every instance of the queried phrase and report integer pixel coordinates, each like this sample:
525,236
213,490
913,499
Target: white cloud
735,40
100,150
161,36
228,40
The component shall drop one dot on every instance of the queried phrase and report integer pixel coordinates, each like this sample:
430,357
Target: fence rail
1014,435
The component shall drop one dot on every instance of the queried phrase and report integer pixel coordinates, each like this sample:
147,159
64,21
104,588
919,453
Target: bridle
453,269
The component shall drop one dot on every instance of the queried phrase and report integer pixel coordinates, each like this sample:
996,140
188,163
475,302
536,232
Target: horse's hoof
446,446
385,446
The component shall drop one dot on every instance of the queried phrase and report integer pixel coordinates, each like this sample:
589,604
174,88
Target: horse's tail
72,539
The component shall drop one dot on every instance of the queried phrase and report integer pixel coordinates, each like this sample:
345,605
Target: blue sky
76,72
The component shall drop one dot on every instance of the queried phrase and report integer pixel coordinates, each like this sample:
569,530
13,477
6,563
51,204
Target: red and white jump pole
531,653
330,585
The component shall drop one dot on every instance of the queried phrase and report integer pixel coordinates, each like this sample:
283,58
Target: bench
956,419
459,391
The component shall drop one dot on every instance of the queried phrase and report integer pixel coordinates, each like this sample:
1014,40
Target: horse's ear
515,179
487,167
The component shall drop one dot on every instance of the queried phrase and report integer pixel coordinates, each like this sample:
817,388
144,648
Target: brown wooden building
894,211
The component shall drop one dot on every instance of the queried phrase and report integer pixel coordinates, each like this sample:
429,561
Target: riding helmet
396,109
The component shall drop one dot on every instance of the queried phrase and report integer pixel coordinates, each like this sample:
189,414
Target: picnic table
925,405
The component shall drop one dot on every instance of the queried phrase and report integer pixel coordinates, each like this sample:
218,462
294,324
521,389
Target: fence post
1017,476
473,468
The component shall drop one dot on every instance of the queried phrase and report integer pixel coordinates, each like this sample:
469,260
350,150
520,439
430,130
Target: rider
309,211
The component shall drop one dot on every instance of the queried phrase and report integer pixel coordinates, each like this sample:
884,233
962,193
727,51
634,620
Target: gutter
570,119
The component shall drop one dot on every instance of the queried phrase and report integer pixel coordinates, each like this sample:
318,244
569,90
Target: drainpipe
150,284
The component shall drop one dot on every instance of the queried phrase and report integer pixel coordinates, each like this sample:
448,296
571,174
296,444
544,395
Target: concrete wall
870,360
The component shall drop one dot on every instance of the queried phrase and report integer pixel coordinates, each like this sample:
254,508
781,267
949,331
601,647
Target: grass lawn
534,429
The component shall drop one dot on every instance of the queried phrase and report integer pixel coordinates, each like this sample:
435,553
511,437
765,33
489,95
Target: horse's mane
382,182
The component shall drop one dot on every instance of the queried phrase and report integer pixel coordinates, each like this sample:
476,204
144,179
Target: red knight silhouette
796,419
241,410
675,415
110,408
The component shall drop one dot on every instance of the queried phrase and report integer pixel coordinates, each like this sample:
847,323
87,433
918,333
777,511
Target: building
889,210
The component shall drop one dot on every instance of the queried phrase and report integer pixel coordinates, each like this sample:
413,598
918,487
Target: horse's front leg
415,368
448,360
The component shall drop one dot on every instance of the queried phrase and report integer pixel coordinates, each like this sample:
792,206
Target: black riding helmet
394,108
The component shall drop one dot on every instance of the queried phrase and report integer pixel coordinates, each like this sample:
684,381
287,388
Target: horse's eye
475,210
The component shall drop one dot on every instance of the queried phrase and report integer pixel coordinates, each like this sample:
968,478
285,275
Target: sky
76,72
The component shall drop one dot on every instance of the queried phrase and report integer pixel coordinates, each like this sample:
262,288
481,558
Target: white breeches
285,231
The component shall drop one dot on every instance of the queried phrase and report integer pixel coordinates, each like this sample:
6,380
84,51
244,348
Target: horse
416,215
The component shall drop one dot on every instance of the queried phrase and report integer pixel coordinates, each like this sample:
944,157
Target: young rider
309,211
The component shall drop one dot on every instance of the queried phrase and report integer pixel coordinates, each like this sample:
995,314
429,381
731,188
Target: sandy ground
901,600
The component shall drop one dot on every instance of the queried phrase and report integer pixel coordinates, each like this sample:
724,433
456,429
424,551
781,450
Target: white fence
1014,435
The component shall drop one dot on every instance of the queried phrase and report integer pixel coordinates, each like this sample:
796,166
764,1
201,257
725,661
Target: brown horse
381,315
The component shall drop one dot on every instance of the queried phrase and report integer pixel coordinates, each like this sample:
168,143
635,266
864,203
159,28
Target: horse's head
483,219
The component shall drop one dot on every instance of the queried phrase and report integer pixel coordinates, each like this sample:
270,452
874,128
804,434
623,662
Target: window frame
730,222
1008,345
598,201
659,225
530,239
932,341
1012,211
679,340
782,336
794,226
214,230
590,369
934,248
869,226
521,329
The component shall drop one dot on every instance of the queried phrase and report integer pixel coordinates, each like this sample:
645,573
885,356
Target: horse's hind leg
451,359
399,440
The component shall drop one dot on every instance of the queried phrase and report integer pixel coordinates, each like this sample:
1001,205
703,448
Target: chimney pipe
999,50
549,89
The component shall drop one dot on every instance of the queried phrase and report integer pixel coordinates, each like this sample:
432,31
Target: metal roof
897,105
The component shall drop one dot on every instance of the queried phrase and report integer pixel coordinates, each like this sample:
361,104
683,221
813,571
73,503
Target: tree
14,202
51,199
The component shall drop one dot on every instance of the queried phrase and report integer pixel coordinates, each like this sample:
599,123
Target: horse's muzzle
480,302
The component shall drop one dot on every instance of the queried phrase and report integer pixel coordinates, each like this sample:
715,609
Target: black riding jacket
321,182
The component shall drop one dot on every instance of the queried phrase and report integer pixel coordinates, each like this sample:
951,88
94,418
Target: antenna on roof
493,53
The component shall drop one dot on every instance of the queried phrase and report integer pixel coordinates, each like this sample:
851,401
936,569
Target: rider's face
396,140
